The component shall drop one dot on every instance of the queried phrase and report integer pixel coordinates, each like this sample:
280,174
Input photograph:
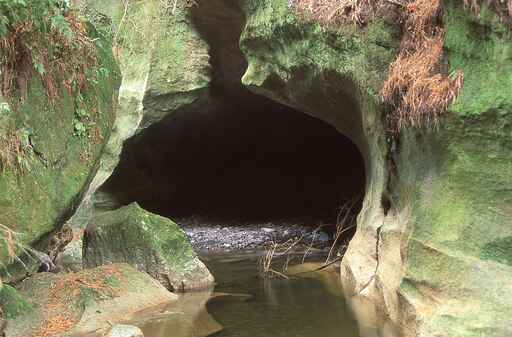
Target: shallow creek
245,304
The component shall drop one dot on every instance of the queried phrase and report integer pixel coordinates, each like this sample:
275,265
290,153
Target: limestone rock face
458,257
164,67
85,302
148,242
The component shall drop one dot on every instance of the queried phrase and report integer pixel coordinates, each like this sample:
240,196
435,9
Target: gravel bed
213,237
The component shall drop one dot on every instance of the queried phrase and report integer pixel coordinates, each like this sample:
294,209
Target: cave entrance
238,157
245,159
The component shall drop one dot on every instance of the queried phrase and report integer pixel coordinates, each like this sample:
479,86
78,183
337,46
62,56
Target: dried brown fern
14,155
338,11
417,87
56,58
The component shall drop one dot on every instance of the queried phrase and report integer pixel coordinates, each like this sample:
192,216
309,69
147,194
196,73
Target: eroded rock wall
52,163
164,67
458,250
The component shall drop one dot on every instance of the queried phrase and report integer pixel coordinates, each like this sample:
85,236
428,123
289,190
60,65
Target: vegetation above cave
419,87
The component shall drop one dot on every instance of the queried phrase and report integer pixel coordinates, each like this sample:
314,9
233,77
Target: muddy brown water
312,305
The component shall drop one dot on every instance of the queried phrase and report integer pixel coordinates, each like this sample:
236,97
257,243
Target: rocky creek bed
210,237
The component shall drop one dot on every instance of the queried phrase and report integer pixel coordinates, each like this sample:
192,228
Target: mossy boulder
13,303
150,243
85,302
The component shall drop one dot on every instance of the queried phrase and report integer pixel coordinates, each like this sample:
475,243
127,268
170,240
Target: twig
311,243
319,268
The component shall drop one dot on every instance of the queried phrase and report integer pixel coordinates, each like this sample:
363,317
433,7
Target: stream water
311,306
303,307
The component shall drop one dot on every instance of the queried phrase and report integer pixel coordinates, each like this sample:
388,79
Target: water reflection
310,306
303,307
186,317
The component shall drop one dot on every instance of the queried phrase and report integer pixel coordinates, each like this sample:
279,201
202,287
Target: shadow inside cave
243,158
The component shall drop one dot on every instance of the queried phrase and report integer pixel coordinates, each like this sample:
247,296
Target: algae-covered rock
13,303
85,302
458,253
46,164
148,242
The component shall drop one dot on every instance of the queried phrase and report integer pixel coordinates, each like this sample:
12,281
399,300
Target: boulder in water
148,242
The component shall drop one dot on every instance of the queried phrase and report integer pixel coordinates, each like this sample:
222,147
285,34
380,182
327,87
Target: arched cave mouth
236,157
243,158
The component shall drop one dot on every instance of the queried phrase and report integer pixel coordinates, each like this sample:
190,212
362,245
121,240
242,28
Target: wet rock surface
148,242
86,302
214,237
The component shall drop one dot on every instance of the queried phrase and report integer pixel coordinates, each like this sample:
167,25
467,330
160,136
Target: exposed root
271,263
345,222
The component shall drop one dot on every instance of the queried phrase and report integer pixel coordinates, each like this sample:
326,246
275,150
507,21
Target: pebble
214,237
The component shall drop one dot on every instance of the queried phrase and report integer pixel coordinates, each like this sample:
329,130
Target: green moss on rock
458,253
498,250
148,242
59,163
13,303
482,49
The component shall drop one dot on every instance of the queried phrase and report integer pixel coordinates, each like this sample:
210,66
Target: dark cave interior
247,158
